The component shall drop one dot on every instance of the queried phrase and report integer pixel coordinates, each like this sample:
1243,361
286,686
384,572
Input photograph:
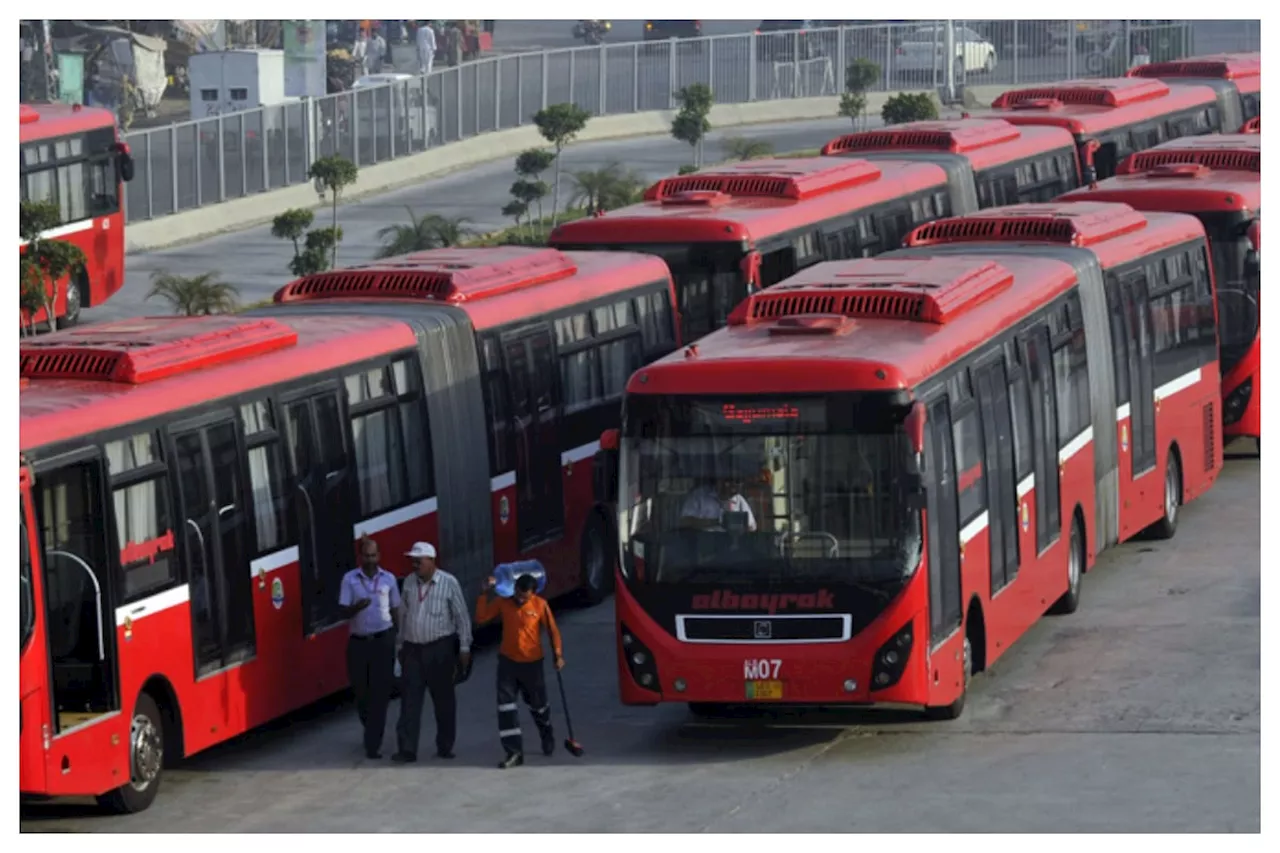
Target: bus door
320,464
1135,308
33,678
533,376
89,735
216,519
944,525
1002,491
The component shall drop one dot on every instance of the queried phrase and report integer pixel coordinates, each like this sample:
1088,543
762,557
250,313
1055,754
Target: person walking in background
525,615
377,52
453,44
370,599
360,53
426,41
435,639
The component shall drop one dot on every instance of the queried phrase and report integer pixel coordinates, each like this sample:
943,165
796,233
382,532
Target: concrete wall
263,207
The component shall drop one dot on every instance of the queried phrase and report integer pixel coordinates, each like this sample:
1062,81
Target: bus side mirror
750,267
125,160
604,470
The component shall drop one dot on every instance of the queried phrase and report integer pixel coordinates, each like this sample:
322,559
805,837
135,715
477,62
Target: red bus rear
1002,163
1242,72
193,487
729,230
1216,179
1156,396
71,156
1111,119
809,510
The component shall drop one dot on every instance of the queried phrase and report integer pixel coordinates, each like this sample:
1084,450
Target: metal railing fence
224,157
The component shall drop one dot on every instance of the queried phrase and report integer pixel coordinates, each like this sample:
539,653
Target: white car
924,49
412,93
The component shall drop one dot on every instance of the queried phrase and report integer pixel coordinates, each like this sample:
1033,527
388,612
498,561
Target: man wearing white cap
435,637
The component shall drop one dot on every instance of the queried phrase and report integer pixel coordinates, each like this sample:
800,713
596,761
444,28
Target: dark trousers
428,667
527,681
371,666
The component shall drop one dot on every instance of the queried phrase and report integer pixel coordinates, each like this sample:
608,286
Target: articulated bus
1003,163
1239,73
1218,180
869,485
72,156
1111,119
1156,391
729,230
192,488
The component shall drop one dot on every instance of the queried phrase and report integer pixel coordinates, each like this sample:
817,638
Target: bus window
26,594
140,493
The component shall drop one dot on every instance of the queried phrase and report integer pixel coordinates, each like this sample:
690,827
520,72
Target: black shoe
513,759
444,753
548,743
372,755
404,758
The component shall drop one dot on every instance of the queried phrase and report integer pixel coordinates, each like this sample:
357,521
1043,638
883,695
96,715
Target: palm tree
196,294
430,231
604,189
741,148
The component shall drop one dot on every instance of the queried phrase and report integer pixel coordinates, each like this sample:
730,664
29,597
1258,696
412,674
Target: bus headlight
891,659
1237,401
640,663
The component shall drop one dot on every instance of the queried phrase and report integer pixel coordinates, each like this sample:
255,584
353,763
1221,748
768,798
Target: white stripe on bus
1075,445
973,528
1122,412
154,604
1028,483
502,481
1182,383
387,520
63,231
268,563
577,454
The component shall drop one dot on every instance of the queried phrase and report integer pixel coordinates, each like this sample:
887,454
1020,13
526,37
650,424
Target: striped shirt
434,610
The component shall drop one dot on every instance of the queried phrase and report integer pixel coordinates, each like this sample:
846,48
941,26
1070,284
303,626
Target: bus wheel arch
974,661
1077,564
77,298
149,732
595,558
162,693
1174,494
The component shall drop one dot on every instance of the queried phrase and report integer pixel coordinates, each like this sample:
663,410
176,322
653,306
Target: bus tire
1167,526
1070,599
597,568
146,760
77,298
956,708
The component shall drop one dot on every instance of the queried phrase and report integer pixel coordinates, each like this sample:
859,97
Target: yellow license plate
764,689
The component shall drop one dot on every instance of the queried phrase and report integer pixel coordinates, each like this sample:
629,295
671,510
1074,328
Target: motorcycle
592,32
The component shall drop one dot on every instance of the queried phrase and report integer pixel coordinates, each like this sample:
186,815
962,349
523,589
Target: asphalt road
1138,713
505,91
257,263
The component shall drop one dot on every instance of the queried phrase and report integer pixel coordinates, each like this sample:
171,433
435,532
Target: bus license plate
764,689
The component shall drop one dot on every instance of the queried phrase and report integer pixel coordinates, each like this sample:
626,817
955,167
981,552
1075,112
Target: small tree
527,192
44,263
431,231
196,294
908,107
332,175
311,249
687,169
859,77
603,189
30,297
691,124
530,165
560,124
741,148
292,225
515,210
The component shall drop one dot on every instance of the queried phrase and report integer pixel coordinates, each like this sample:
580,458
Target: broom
571,746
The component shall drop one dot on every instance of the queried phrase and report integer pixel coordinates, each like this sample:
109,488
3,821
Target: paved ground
1141,712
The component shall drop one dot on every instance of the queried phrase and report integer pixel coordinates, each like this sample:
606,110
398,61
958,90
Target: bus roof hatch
932,290
795,179
956,137
1237,152
145,349
1221,66
1078,223
451,275
1117,92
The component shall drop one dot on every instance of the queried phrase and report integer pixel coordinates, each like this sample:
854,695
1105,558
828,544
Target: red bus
998,162
1253,125
1218,181
1156,413
72,156
731,229
866,487
193,487
1239,73
1111,119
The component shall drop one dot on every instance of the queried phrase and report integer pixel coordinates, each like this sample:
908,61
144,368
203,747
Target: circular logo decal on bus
277,593
1124,437
504,509
1026,517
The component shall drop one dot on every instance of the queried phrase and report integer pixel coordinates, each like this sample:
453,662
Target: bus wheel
956,708
146,760
1168,525
1075,572
597,568
77,290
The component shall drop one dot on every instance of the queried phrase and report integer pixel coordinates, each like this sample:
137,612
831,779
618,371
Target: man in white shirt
377,52
435,637
426,40
706,505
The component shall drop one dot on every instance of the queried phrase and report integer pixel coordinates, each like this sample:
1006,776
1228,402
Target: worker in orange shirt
525,615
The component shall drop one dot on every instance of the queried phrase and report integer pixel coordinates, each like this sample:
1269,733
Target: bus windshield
1237,284
768,490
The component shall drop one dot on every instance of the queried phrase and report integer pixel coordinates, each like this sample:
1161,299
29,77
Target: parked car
923,49
662,30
